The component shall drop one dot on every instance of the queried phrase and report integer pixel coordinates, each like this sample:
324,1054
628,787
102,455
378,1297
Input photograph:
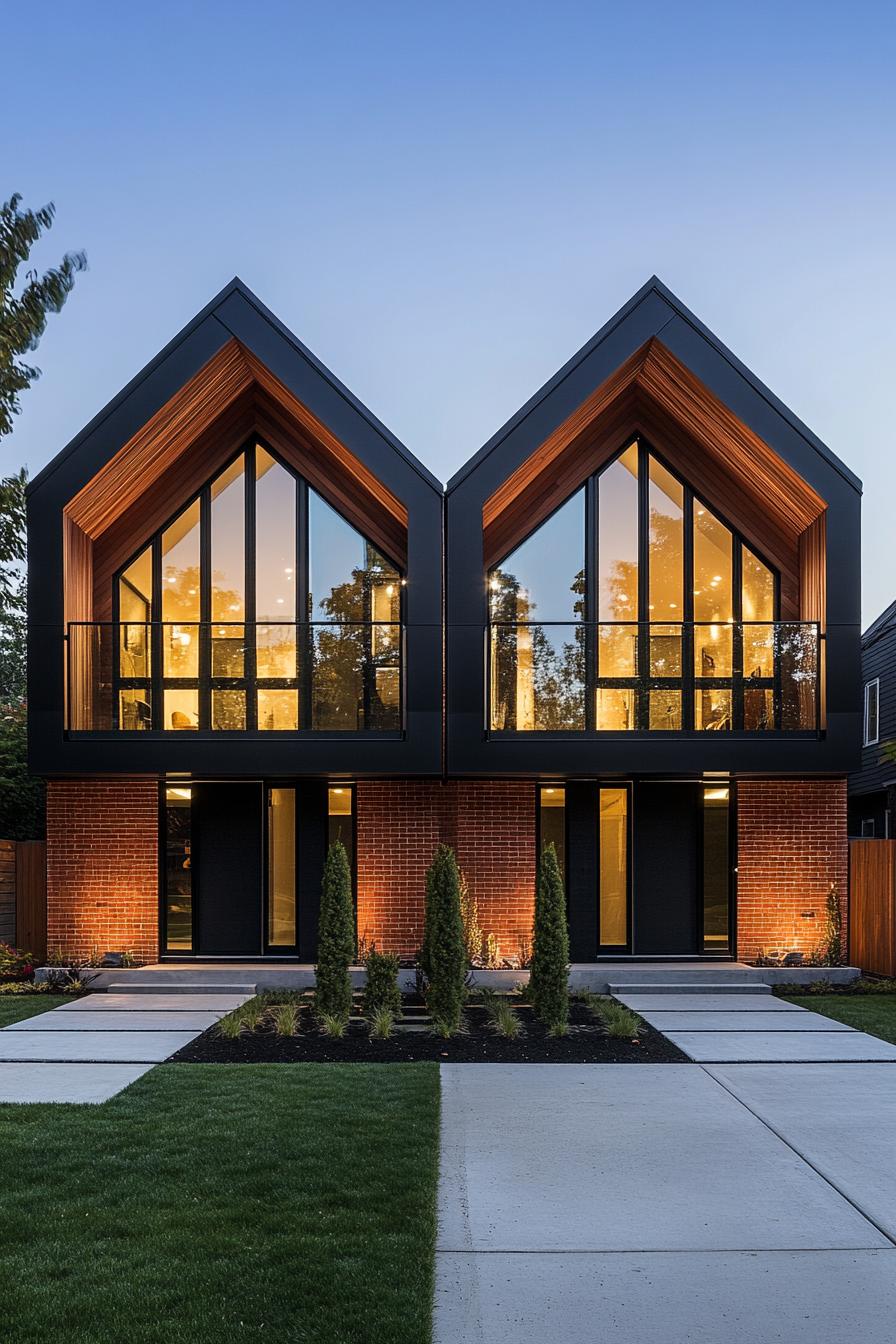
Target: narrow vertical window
714,617
716,870
228,580
178,896
181,615
872,693
135,596
282,868
276,606
340,820
613,867
552,821
617,578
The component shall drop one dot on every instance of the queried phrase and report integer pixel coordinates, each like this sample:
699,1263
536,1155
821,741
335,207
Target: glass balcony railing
220,677
649,677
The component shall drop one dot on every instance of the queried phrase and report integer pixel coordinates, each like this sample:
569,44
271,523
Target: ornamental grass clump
443,956
335,937
618,1021
285,1018
548,974
381,1023
381,986
502,1018
333,1024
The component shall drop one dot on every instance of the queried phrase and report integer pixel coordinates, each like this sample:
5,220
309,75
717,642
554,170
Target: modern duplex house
629,626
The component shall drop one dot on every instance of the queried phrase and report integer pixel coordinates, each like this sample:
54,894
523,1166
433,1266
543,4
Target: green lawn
225,1203
15,1007
874,1013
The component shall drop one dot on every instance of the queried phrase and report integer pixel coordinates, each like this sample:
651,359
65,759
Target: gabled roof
649,312
885,622
236,313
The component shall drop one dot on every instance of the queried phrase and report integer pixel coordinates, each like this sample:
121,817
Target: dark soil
586,1043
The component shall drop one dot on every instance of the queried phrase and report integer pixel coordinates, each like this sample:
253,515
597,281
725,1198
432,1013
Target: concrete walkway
92,1048
667,1204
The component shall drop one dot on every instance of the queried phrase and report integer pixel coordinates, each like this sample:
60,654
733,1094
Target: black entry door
666,876
227,822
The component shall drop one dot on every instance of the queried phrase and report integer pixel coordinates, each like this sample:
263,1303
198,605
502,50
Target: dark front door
229,856
666,869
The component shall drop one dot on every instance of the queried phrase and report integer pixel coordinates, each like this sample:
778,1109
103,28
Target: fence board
872,905
31,898
7,891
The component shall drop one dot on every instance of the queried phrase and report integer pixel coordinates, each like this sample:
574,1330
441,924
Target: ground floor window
716,869
552,821
281,866
613,861
177,912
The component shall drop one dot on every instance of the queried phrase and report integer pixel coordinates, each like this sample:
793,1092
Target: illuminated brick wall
102,867
491,826
791,842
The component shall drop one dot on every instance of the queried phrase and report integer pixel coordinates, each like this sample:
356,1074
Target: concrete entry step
182,987
690,987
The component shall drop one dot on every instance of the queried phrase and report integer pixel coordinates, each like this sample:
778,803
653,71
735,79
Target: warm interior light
390,589
715,795
179,793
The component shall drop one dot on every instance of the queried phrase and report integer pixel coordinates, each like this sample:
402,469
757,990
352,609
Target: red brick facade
103,867
791,845
490,824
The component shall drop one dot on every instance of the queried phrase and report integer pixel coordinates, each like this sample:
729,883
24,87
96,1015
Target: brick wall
490,824
102,867
791,843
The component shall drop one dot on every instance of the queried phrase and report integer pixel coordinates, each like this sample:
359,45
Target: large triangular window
258,607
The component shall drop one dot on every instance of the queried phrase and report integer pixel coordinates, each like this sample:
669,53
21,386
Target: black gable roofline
219,312
880,626
676,309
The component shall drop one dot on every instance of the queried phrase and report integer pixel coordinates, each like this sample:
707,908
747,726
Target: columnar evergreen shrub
443,957
550,945
381,988
335,937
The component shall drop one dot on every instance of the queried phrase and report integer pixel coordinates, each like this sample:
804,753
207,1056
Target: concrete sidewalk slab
783,1297
74,1083
667,1022
781,1047
707,1003
841,1120
155,1003
130,1047
117,1021
581,1157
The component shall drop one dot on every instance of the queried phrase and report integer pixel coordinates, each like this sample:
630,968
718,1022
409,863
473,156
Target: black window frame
867,739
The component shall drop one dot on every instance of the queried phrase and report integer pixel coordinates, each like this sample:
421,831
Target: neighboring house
872,789
649,633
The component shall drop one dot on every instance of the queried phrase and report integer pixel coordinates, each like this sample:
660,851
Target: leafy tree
443,957
335,937
23,317
21,794
550,945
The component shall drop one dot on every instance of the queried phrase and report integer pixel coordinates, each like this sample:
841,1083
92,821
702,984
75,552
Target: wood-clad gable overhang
652,393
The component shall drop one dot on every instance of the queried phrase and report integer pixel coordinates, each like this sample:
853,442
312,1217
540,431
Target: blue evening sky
445,200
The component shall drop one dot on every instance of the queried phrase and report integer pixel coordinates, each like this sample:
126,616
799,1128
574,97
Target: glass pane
275,542
716,868
617,539
537,678
282,868
759,709
552,821
228,650
544,578
178,871
345,568
134,613
614,710
339,821
228,711
665,650
796,654
181,709
180,650
228,548
712,567
135,710
135,650
180,567
712,709
665,710
713,650
758,588
759,650
617,650
613,844
278,710
276,651
665,497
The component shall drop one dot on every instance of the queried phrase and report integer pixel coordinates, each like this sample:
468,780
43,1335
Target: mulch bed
586,1043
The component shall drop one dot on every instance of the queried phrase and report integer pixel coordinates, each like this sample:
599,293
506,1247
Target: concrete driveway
658,1204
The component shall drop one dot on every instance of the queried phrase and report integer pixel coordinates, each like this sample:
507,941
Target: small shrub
230,1026
331,1024
469,913
381,1024
492,953
619,1021
443,955
16,988
503,1018
335,937
550,945
285,1019
558,1029
252,1014
524,953
381,987
15,964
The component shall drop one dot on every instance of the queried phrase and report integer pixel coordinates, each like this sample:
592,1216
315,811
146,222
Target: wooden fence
23,896
872,905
